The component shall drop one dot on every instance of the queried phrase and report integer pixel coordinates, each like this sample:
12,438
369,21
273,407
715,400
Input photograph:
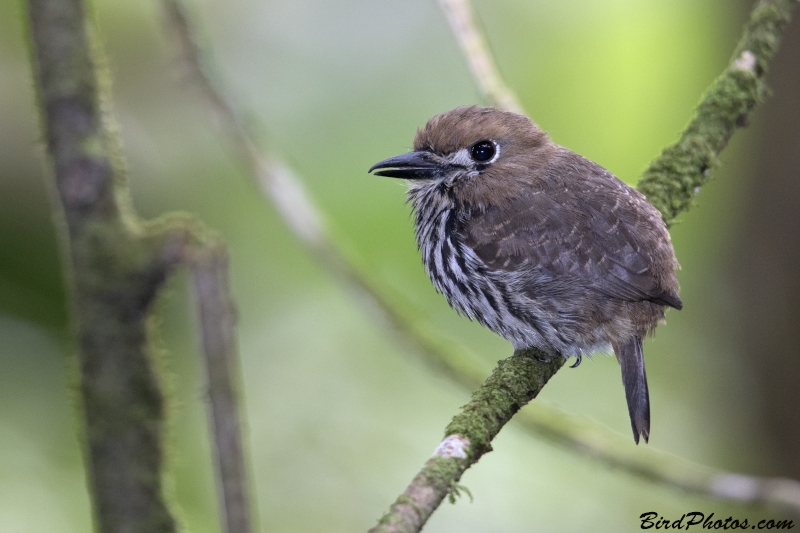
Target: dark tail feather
634,378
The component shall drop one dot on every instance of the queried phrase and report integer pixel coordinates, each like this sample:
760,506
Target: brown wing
579,221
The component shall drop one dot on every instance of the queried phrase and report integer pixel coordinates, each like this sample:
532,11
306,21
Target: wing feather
586,225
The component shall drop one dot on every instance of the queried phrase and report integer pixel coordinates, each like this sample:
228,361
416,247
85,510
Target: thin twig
276,180
664,469
218,322
464,25
284,189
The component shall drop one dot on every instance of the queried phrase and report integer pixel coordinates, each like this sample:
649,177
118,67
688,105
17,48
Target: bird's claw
578,359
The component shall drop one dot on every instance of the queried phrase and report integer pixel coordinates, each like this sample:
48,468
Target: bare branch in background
464,25
117,266
661,468
209,264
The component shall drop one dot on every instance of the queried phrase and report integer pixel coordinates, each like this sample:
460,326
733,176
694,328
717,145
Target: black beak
410,166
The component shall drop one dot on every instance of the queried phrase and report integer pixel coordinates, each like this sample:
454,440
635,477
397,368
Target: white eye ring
464,158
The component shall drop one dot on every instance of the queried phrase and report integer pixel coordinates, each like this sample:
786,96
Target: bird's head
483,154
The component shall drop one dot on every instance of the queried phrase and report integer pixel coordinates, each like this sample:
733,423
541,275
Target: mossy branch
515,382
676,176
116,266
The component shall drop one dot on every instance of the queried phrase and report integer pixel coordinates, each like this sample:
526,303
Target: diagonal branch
515,382
284,189
661,468
474,46
116,266
676,176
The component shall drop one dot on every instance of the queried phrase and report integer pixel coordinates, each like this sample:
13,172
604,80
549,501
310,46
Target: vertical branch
116,266
116,270
217,320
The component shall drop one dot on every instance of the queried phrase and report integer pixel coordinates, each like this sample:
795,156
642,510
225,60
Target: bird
542,246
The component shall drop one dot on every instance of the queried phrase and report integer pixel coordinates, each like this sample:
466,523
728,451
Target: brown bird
540,245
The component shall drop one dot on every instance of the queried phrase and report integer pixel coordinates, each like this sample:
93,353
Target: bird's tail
631,359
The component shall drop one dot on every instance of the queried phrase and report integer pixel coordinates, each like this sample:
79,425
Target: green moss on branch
515,382
676,176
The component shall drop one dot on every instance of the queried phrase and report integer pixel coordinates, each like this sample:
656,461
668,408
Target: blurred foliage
340,417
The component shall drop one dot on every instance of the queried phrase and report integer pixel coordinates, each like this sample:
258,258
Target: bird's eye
482,151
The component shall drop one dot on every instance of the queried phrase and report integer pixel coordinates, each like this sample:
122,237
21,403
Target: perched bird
540,245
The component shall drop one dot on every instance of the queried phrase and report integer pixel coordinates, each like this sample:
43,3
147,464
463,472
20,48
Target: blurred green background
340,416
